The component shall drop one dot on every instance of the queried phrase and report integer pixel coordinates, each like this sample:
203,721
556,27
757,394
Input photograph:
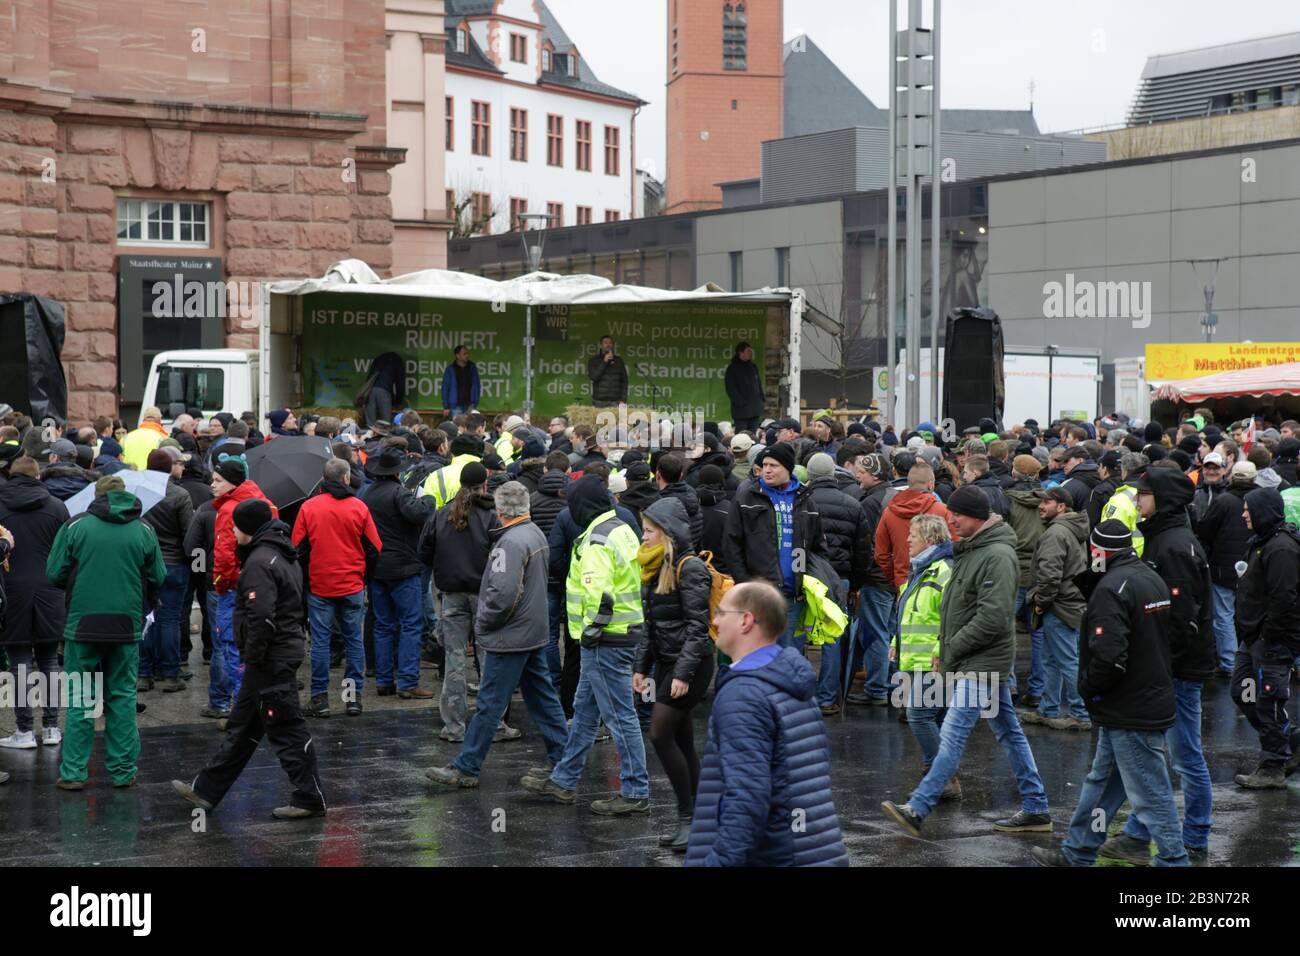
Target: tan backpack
719,585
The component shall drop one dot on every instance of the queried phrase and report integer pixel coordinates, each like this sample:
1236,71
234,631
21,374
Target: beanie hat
109,483
160,460
820,465
252,514
969,501
989,437
111,448
466,444
492,461
1153,432
533,449
889,438
473,474
277,419
1042,454
711,475
1112,535
1191,444
782,453
1027,465
618,482
1184,460
751,456
234,470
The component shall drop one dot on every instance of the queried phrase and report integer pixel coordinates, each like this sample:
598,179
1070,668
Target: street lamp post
532,256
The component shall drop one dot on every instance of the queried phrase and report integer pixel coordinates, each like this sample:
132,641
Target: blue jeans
160,651
1036,664
877,611
605,692
322,612
828,674
397,604
1128,763
924,722
794,611
556,610
502,673
1184,740
1061,668
963,712
1225,625
224,670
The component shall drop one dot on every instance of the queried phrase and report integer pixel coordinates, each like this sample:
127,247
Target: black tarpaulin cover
46,395
958,388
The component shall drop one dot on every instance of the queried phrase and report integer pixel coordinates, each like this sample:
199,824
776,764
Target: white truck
214,380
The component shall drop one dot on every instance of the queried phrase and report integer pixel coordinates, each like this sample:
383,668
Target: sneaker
1265,778
952,789
51,736
451,777
319,707
143,684
1023,822
1028,701
125,784
620,806
1049,857
296,813
20,740
171,685
1126,849
1198,854
904,816
187,791
353,708
830,710
542,772
385,690
865,700
1069,722
186,675
70,784
214,712
1036,717
472,689
506,733
416,693
550,789
451,738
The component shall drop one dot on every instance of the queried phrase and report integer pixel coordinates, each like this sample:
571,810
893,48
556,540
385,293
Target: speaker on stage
973,384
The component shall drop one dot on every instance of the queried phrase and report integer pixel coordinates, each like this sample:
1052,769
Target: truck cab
215,380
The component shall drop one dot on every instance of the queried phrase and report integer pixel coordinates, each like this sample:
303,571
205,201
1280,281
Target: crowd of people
620,588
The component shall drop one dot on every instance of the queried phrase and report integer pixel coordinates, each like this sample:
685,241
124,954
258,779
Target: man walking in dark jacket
268,630
1125,677
545,505
160,651
1081,476
510,627
395,594
608,375
1268,629
1223,533
744,387
765,785
671,468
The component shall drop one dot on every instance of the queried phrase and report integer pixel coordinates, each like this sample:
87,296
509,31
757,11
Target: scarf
651,559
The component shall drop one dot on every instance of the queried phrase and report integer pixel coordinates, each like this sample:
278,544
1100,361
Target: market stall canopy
1244,383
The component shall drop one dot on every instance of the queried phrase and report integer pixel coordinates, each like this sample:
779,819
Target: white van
215,380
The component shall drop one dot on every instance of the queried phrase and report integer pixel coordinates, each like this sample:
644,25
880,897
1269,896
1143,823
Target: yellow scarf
651,559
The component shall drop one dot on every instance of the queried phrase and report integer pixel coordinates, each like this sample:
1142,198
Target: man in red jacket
338,547
918,498
231,485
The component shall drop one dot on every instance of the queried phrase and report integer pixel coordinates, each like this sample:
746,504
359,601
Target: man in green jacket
109,563
977,646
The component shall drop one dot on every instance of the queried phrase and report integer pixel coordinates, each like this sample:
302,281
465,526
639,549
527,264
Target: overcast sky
1083,56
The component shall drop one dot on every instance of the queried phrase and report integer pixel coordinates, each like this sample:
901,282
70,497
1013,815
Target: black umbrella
289,468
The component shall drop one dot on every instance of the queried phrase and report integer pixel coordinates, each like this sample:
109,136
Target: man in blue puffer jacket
765,780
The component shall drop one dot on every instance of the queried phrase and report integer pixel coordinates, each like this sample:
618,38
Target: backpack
719,585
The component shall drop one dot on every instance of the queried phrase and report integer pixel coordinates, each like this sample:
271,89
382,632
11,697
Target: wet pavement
383,811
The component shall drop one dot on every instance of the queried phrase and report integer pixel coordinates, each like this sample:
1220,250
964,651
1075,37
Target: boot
1265,778
682,836
952,789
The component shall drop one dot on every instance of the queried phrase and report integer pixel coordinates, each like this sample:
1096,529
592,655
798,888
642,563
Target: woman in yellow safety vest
916,644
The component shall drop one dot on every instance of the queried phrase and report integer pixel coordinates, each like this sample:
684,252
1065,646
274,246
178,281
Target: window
573,64
584,215
611,150
451,204
582,132
451,124
556,211
734,42
554,140
519,135
482,213
783,267
517,208
203,388
737,272
462,40
518,48
612,215
482,129
546,61
163,221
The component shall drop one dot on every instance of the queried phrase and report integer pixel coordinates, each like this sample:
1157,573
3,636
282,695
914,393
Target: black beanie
969,501
233,470
1191,444
472,474
782,453
466,444
1112,535
1153,432
251,515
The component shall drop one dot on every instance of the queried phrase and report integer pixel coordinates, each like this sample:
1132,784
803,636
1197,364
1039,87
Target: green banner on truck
676,352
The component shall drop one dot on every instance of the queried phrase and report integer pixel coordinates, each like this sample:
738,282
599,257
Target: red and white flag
1248,437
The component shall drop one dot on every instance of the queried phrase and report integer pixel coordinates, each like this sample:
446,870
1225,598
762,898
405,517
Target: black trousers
570,670
267,706
1261,685
745,424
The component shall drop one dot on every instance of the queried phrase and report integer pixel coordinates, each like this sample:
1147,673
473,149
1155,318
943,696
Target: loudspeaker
973,384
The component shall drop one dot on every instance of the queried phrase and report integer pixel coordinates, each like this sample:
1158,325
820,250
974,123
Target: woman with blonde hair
675,660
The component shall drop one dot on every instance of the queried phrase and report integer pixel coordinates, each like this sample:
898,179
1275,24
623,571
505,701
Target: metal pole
891,331
528,362
912,239
936,228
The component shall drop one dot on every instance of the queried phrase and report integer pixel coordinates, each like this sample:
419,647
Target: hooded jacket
1267,607
1288,457
1059,557
337,541
1098,497
1223,533
170,519
1204,497
269,609
1023,499
225,564
744,389
848,547
1079,483
1175,554
512,615
34,612
529,473
602,590
892,555
108,563
715,505
65,479
977,629
873,508
691,502
547,501
1125,676
765,758
677,623
566,530
458,556
638,497
399,515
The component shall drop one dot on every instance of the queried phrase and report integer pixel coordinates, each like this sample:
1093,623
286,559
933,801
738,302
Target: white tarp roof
536,288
